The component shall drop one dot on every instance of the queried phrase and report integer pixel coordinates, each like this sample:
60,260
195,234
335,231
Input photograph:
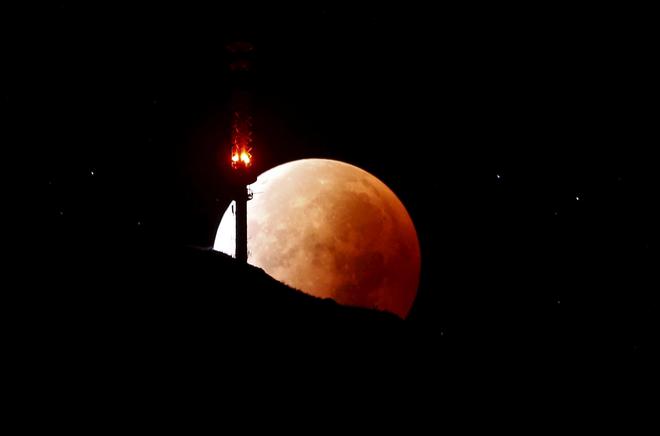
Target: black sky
518,139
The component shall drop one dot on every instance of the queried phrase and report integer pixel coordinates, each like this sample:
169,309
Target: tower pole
241,223
240,54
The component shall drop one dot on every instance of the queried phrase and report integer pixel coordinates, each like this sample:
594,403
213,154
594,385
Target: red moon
331,230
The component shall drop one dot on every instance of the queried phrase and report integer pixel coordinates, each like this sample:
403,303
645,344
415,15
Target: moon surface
331,230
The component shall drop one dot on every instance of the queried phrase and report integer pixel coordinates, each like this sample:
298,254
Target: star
499,177
91,173
577,198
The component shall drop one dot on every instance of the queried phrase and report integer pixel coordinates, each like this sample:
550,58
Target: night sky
519,140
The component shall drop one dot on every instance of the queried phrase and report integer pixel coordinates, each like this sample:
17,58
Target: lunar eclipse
333,231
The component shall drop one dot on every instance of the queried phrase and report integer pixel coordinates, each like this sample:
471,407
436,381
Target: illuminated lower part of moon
331,230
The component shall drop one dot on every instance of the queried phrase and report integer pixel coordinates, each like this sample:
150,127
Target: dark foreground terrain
176,338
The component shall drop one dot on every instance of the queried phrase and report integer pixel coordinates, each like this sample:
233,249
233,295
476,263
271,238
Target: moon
332,230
